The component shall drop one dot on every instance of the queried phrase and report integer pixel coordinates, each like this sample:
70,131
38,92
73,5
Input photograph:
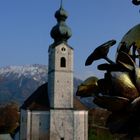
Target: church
49,113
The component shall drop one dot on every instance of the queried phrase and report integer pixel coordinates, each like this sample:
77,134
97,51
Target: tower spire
61,32
61,4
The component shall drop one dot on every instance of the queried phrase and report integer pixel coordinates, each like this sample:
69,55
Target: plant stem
108,60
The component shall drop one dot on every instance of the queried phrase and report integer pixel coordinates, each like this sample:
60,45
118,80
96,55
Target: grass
102,136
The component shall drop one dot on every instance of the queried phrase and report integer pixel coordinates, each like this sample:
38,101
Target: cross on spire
61,32
61,4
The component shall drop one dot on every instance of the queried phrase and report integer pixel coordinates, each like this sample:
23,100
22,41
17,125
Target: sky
25,27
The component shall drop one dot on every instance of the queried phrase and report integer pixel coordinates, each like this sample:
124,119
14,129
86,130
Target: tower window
63,49
63,62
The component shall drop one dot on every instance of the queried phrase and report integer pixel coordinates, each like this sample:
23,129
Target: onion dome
61,32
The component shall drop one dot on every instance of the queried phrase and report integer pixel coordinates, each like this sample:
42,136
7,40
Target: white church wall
35,125
60,83
64,92
40,122
44,126
61,125
80,125
25,125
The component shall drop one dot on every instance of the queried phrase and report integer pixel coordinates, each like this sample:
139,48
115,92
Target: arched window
63,62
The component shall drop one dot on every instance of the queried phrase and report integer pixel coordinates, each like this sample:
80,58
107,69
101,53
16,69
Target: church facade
57,118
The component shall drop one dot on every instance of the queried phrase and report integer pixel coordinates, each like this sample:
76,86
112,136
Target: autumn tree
9,118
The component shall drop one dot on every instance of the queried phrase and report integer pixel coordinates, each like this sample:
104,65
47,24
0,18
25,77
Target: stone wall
61,125
80,125
60,79
69,124
34,125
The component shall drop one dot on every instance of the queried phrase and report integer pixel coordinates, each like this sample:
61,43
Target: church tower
60,72
60,80
65,122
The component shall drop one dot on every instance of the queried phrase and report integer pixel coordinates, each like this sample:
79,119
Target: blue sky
25,29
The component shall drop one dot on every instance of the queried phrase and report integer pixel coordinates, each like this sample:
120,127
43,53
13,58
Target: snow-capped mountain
35,71
19,82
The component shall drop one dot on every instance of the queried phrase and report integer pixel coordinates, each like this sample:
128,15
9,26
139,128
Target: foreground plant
119,90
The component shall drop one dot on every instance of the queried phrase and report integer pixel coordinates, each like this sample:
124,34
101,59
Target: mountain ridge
17,83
